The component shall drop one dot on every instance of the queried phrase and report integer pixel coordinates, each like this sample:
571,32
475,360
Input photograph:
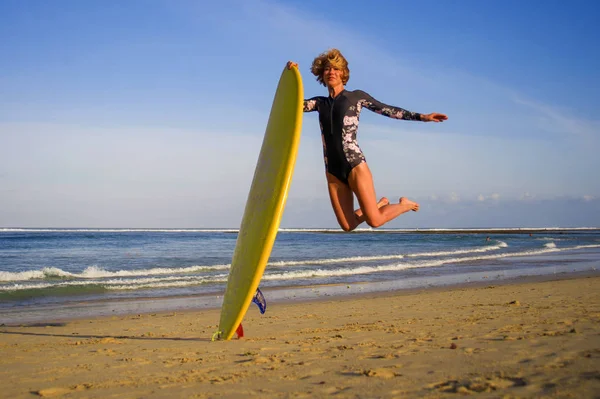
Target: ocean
48,274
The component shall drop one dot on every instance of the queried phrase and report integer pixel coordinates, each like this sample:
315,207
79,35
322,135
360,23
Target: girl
346,168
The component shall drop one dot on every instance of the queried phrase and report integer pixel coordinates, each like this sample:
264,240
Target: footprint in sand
479,384
51,392
383,372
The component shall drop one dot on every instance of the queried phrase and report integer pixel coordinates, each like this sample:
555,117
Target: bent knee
378,222
346,227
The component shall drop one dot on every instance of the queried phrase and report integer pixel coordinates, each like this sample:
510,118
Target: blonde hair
334,58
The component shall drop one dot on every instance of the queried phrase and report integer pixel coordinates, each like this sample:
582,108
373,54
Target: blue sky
151,113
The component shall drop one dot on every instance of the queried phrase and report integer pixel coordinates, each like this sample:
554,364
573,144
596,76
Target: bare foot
383,202
410,205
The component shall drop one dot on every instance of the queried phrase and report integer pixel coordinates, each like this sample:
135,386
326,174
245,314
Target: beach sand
532,339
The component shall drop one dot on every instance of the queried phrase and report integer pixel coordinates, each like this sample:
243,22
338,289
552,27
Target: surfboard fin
260,301
240,331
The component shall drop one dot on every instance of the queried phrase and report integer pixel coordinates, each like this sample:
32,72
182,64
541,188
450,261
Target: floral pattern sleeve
310,105
383,109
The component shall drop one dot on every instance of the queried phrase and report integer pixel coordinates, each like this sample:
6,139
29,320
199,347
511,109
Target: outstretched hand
292,64
433,117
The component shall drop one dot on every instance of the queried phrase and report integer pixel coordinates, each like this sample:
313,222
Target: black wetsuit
338,118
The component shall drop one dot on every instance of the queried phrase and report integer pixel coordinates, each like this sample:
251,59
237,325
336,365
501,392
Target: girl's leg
342,201
361,183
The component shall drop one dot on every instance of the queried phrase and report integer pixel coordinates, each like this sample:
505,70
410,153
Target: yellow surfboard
266,201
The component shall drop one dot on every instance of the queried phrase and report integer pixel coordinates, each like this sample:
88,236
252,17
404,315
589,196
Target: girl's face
332,76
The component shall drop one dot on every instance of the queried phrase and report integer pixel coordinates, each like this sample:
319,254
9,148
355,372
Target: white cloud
453,197
527,196
492,197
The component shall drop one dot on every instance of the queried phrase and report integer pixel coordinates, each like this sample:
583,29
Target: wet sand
533,339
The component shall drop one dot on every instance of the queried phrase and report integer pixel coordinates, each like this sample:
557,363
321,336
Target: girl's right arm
310,104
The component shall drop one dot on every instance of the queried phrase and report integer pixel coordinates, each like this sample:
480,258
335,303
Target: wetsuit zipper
331,116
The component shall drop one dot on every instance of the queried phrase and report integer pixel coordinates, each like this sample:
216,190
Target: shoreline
509,339
81,310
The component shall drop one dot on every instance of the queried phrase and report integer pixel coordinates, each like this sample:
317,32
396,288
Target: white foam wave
548,239
34,274
117,284
304,274
583,246
183,281
94,272
500,245
354,259
116,230
351,271
335,260
19,287
550,245
138,281
170,284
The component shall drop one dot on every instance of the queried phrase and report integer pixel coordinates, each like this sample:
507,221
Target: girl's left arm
387,110
397,112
